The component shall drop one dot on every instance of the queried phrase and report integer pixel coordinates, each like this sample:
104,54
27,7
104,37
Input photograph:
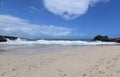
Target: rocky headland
106,39
5,38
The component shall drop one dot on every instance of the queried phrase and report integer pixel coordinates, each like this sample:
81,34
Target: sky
60,19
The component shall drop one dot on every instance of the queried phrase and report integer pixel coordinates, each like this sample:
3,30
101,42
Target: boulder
116,40
106,39
4,38
101,38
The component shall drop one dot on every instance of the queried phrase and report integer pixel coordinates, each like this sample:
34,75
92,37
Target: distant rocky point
105,39
5,38
96,38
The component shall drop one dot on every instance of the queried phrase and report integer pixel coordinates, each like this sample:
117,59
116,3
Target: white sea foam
57,42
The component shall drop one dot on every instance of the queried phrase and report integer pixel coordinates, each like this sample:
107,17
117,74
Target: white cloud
10,25
33,9
70,9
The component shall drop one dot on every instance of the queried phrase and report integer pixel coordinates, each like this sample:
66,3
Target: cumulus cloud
11,25
70,9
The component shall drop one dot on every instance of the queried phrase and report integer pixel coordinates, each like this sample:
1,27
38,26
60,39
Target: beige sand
99,61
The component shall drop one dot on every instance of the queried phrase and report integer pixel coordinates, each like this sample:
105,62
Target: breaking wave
57,42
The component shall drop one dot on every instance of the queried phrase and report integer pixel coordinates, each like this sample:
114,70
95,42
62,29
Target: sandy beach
59,38
89,61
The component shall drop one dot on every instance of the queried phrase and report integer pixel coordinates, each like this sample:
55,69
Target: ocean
25,46
81,42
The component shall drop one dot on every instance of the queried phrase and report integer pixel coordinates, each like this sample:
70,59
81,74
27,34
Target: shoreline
41,49
95,61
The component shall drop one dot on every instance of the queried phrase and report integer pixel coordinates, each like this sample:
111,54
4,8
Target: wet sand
89,61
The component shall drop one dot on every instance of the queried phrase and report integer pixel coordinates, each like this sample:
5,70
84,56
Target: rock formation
106,39
101,38
5,38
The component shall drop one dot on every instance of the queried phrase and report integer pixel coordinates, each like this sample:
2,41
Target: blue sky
60,18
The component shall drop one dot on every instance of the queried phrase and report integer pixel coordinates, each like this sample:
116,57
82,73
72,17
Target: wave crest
57,42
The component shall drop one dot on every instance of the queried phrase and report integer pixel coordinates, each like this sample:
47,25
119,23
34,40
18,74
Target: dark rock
106,39
4,38
116,40
10,37
101,38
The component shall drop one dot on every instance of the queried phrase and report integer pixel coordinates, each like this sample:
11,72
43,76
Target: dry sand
95,61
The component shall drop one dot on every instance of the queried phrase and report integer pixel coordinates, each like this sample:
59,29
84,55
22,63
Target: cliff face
4,38
105,39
